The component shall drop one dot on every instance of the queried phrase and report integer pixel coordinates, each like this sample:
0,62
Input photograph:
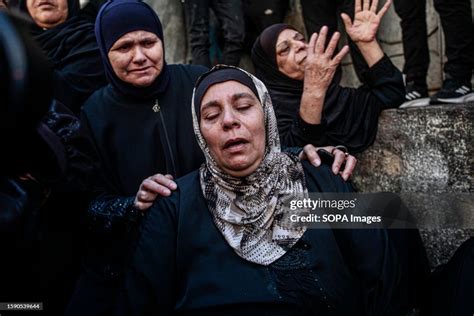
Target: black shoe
416,95
453,92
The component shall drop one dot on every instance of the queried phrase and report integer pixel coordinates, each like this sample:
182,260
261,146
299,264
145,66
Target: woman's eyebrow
210,104
297,34
241,95
282,43
122,42
148,38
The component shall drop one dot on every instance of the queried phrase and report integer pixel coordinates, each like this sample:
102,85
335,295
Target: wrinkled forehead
138,35
228,90
234,76
286,35
117,18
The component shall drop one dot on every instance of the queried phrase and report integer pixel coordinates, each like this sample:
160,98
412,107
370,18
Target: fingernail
317,162
173,185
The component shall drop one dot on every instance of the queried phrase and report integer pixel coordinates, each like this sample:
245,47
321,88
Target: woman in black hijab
142,129
140,122
67,38
310,105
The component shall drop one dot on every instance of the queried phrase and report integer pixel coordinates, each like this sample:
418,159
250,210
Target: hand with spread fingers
366,20
320,63
343,164
319,70
151,188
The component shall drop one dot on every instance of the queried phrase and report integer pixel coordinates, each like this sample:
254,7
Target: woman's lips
302,60
235,145
236,148
45,5
140,69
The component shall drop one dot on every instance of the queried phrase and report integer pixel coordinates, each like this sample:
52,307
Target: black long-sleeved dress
134,139
183,265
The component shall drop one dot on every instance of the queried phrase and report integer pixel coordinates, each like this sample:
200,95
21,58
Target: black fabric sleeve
322,179
385,82
149,284
106,214
110,211
295,132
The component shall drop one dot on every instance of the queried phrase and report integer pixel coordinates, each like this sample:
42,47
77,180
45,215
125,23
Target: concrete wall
172,19
428,151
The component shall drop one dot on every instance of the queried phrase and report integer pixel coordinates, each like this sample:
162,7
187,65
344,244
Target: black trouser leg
318,13
415,39
347,6
197,17
231,18
261,14
458,32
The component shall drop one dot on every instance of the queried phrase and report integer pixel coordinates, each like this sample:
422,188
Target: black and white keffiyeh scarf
249,211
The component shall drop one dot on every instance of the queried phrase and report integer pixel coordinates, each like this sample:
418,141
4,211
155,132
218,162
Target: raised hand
366,20
320,64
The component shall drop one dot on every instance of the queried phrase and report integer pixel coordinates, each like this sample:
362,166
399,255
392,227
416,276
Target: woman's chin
239,168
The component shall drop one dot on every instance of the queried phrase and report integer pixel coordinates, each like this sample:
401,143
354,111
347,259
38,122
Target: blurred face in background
137,58
48,13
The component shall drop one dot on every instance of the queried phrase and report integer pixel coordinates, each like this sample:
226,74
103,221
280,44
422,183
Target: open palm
366,20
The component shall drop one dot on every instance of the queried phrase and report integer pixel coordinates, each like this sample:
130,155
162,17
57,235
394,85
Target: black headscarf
264,59
117,18
213,77
350,115
72,49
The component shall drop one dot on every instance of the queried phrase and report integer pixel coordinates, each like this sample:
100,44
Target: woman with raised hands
310,105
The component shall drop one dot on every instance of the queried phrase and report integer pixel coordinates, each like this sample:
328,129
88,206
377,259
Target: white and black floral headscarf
249,211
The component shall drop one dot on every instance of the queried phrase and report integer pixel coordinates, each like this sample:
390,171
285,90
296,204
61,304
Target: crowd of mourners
135,187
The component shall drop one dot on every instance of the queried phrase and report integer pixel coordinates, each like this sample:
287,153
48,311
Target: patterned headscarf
249,211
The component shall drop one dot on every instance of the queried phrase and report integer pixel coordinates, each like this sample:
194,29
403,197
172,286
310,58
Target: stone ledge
426,150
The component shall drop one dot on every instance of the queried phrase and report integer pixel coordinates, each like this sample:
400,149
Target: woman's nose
229,119
300,45
139,56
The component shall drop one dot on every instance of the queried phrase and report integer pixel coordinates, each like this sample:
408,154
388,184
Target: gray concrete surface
427,150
